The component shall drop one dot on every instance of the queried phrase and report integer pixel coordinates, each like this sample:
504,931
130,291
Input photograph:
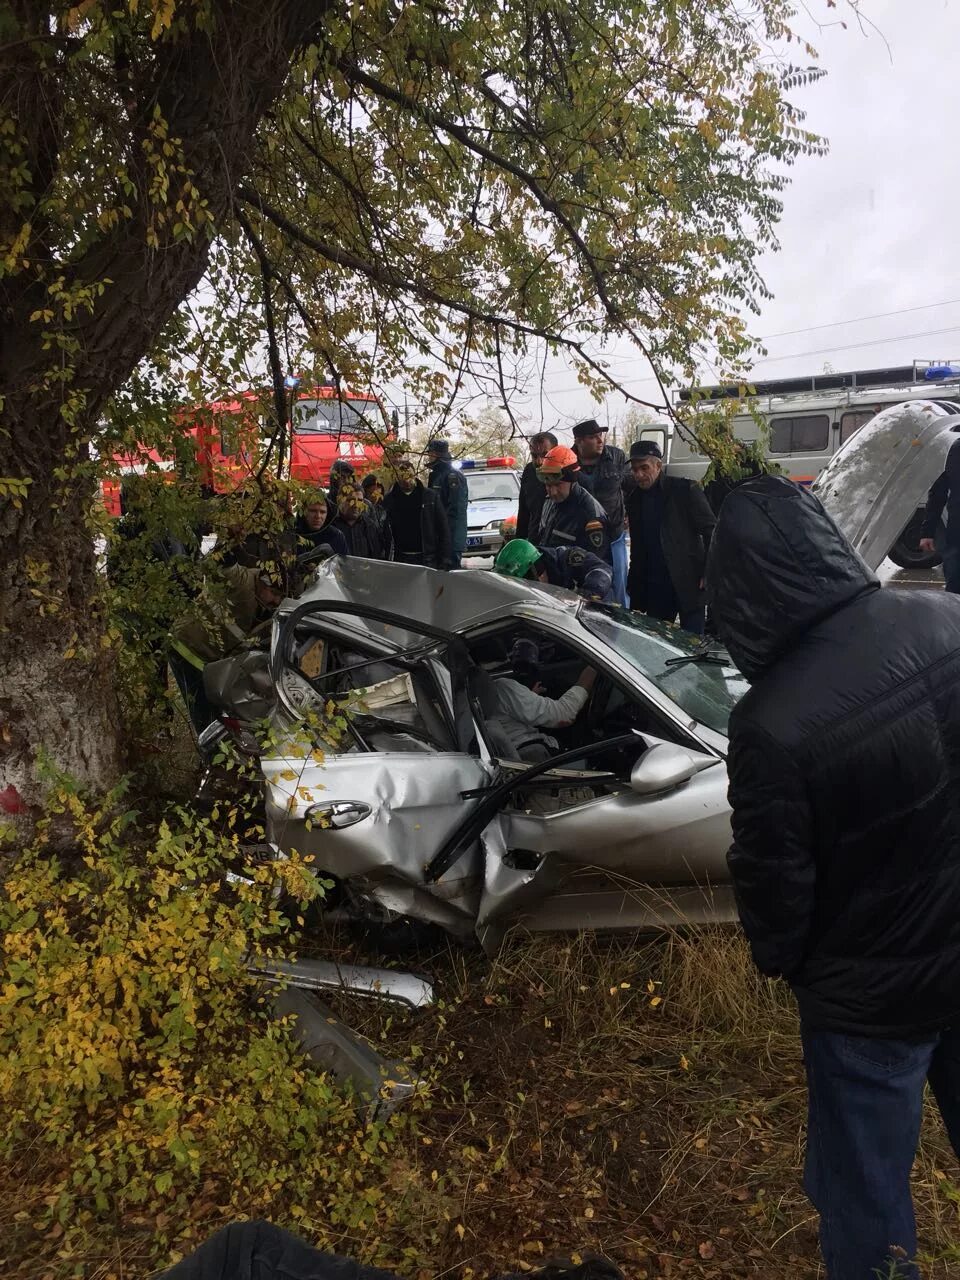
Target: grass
641,1098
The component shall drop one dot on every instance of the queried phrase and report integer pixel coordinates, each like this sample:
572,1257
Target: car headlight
494,524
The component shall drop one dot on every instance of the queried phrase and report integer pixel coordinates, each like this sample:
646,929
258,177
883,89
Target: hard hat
561,463
517,558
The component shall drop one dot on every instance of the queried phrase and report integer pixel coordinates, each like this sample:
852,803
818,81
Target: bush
139,1063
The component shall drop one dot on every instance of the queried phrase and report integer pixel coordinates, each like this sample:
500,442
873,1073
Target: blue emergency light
291,382
937,371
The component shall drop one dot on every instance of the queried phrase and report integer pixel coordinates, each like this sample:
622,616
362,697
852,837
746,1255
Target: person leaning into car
524,710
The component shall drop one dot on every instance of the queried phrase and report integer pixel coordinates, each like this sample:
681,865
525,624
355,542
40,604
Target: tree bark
213,88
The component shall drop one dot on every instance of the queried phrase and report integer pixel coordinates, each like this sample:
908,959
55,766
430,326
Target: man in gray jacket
671,525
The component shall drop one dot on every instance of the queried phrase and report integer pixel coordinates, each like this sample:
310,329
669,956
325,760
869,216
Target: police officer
569,567
571,517
603,468
451,489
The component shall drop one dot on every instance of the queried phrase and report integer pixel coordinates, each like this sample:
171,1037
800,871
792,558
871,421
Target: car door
877,480
376,792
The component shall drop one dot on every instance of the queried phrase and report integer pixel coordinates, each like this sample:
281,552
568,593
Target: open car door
876,482
374,777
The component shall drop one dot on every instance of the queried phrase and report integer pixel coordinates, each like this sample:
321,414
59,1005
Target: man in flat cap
671,525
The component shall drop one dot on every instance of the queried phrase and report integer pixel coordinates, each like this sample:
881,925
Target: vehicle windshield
706,690
492,486
313,416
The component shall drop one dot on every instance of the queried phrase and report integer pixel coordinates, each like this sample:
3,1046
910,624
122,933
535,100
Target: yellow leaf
655,1001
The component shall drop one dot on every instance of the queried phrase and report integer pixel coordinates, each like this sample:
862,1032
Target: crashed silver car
885,470
421,809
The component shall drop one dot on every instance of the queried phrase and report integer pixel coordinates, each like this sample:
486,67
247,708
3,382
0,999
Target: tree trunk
212,87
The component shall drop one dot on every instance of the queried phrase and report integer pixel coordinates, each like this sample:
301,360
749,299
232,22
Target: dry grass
640,1098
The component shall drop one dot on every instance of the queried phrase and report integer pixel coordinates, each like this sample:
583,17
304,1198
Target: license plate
474,542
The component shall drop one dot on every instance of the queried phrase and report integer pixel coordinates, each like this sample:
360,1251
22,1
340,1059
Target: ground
637,1097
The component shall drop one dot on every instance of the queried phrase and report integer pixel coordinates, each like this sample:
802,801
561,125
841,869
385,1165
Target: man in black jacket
602,471
945,492
362,532
532,492
451,489
844,769
421,534
670,529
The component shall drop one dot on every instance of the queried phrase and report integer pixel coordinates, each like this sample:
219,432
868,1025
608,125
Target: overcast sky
870,229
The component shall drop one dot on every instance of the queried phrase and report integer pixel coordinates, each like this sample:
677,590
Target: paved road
911,579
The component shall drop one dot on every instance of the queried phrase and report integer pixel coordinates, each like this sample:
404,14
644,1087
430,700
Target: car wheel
906,552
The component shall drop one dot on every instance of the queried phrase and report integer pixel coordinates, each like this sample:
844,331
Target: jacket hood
777,565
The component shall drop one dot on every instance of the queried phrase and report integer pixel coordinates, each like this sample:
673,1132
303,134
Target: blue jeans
865,1103
618,552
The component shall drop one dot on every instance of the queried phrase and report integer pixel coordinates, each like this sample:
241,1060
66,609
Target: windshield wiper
707,651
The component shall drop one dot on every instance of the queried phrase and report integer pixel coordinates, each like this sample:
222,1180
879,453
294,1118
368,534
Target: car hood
878,479
481,513
777,565
451,602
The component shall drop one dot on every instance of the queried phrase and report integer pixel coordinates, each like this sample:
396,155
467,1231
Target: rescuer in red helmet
571,517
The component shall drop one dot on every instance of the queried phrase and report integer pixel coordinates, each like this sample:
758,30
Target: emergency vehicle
493,495
809,418
227,436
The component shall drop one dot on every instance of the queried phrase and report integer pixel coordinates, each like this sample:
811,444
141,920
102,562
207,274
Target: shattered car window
707,692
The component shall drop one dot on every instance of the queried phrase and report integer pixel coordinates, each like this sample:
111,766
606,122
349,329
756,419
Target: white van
808,419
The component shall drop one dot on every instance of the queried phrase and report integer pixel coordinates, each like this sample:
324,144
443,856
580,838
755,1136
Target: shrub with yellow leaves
140,1063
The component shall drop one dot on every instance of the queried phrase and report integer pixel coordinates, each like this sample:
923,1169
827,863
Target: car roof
453,602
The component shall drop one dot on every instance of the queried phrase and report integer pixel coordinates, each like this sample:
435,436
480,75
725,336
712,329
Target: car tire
906,552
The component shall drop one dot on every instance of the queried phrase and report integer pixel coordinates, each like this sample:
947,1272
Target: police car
493,495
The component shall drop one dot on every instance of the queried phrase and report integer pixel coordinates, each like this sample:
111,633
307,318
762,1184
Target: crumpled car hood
876,481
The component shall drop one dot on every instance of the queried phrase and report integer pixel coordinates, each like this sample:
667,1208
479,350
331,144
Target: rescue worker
373,492
571,517
314,527
451,489
532,495
569,567
418,522
360,528
670,529
945,492
524,710
218,622
602,470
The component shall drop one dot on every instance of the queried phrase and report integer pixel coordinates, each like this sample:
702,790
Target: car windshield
707,689
312,416
492,486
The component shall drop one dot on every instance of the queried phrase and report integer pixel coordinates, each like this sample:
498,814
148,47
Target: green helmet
517,558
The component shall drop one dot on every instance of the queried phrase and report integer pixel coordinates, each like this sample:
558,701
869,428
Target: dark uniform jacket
579,521
532,497
844,769
434,530
579,570
945,492
686,527
451,489
604,477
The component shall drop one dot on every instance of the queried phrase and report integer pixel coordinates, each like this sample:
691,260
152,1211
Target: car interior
395,704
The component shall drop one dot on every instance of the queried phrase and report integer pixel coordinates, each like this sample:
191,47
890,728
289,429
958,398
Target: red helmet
560,463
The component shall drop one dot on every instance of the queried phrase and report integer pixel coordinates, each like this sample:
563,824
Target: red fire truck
228,438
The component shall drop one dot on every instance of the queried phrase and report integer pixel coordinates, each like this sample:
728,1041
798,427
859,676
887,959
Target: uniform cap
438,446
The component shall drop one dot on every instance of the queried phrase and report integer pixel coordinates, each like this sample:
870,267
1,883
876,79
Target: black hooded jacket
844,768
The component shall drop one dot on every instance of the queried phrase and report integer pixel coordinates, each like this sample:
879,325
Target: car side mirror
664,767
